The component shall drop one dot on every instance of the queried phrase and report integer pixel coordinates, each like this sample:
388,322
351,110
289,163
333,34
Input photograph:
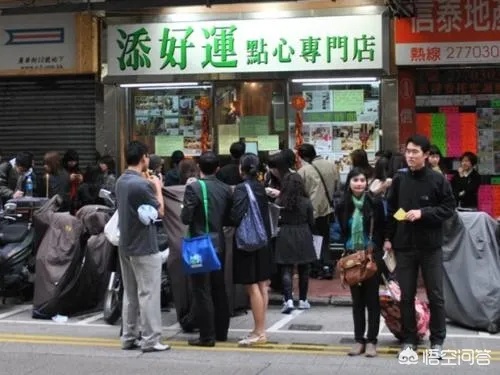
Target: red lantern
204,105
298,103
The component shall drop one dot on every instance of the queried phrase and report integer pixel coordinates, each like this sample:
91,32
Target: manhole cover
305,327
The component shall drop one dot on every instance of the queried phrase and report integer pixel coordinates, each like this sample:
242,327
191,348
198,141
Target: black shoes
202,343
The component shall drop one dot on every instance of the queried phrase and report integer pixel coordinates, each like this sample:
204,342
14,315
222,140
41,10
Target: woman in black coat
252,269
355,213
465,183
294,243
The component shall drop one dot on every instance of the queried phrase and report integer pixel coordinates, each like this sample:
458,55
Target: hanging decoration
204,105
298,103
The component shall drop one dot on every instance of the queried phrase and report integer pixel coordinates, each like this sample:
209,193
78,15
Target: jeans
287,275
431,263
365,297
211,305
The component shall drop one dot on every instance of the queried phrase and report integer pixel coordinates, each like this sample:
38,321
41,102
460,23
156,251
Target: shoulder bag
198,253
358,266
330,199
251,234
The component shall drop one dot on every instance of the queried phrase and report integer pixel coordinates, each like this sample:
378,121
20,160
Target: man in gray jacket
320,179
13,174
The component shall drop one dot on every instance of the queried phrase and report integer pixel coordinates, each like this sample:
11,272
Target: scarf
357,228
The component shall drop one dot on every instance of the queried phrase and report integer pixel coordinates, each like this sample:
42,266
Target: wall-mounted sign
268,45
449,32
38,42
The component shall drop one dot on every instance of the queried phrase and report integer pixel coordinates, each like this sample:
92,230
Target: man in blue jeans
422,200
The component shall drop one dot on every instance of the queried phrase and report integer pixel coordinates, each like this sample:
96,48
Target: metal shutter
48,114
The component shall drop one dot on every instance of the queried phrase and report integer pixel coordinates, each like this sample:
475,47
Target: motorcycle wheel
113,302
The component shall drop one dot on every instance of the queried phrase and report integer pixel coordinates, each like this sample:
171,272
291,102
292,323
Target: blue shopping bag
198,253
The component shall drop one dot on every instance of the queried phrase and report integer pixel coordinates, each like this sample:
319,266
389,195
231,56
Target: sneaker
287,307
131,345
156,348
253,340
304,305
436,351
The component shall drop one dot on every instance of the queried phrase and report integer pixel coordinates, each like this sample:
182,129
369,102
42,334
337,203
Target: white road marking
16,311
91,319
284,321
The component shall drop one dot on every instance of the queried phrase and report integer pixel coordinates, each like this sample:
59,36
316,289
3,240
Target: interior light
174,87
350,83
142,85
335,80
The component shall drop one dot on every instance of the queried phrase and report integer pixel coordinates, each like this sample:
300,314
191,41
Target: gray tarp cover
472,271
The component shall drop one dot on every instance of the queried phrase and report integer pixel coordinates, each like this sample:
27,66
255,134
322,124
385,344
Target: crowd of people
61,176
308,190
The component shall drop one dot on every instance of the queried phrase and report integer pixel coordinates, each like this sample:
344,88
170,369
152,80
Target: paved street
310,342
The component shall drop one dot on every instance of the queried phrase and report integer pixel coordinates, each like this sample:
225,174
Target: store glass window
168,118
252,112
340,116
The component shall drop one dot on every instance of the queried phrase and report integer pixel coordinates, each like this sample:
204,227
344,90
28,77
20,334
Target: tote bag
251,234
198,253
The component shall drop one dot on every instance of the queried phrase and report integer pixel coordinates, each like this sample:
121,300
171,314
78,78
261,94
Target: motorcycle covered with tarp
471,258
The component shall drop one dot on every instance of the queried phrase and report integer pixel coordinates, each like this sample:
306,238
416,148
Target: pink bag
389,307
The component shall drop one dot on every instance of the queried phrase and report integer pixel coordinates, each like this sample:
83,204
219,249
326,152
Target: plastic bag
111,230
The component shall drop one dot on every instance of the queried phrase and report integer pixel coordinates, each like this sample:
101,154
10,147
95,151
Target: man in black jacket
209,291
230,173
419,201
13,174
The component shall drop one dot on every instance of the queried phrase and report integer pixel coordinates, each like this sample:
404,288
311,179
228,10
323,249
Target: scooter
17,253
113,297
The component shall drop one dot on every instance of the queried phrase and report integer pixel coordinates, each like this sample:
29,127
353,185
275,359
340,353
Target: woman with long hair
294,244
70,163
55,180
359,159
381,181
107,167
252,269
355,214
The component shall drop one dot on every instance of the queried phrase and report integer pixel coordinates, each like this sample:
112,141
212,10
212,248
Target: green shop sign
267,45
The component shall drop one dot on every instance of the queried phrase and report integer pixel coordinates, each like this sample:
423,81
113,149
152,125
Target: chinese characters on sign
449,32
239,46
41,62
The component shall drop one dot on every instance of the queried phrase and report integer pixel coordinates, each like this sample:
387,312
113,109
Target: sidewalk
330,292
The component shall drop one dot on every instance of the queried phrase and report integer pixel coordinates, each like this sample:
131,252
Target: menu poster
268,142
227,135
318,101
166,145
192,145
370,112
253,126
349,101
339,138
321,137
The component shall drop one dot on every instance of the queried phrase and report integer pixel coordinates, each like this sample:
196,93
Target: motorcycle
17,248
113,297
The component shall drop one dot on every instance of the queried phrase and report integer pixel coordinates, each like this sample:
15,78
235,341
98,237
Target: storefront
449,83
210,81
48,84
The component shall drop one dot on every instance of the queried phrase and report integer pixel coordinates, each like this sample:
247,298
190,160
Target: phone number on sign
469,52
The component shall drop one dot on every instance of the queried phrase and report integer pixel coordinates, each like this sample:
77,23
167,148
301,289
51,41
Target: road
305,342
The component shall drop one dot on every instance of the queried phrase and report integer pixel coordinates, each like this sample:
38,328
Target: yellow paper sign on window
400,214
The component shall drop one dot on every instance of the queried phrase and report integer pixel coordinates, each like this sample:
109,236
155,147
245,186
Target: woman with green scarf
354,214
